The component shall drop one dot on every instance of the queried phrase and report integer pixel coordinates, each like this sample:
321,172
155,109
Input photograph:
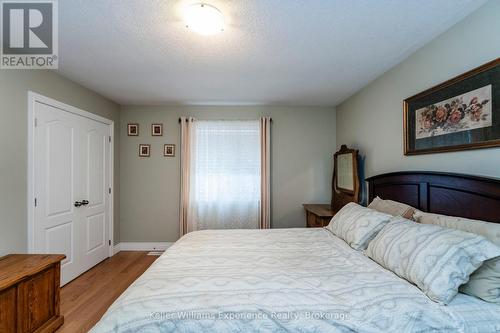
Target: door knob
81,203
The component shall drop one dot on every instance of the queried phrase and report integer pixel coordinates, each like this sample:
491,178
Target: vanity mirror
345,180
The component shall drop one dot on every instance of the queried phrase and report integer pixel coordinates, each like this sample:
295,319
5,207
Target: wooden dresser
318,215
29,293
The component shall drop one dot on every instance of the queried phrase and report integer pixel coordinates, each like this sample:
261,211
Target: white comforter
281,280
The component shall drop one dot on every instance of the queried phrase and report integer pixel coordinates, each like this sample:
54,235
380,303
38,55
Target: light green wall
303,140
14,87
372,120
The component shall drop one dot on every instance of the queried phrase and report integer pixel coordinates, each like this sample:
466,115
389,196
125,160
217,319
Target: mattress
282,280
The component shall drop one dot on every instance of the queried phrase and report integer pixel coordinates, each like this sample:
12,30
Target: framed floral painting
459,114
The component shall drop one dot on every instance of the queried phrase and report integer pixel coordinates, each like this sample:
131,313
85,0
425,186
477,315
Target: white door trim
32,99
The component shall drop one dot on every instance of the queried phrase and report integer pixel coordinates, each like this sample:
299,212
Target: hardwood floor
85,299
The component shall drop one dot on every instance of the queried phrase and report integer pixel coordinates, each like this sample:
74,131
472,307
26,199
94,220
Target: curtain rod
270,119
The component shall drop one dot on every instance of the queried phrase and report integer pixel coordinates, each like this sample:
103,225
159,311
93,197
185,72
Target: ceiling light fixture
204,19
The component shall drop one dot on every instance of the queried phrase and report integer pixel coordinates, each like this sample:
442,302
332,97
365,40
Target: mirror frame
341,196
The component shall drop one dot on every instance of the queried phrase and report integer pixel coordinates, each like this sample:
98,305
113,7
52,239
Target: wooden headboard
441,193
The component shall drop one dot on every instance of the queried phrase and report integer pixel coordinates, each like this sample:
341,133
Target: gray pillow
357,225
437,260
484,283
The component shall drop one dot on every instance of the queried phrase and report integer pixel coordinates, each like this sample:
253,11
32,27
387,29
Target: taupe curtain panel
187,131
265,173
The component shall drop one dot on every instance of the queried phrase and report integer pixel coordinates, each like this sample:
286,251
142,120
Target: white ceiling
276,52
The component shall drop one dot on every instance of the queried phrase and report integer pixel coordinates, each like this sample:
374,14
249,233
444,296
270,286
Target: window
226,174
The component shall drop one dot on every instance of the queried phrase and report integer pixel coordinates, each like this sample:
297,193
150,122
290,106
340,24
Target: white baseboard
116,248
141,246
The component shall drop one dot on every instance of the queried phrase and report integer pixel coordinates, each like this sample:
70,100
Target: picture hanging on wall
169,150
157,129
459,114
144,150
133,129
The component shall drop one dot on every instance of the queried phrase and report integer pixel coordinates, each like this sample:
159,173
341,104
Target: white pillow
357,225
484,283
438,260
488,230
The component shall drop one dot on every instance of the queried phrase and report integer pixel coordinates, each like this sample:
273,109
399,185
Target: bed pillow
393,208
488,230
484,283
437,260
357,225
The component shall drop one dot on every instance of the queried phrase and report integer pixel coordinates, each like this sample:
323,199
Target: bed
303,280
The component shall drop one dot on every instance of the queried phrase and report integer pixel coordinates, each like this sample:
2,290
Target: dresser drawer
314,221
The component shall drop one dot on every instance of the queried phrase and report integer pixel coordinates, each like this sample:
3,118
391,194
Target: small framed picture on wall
144,150
133,129
169,150
156,129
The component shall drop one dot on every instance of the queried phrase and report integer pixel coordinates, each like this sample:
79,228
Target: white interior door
71,181
56,186
95,217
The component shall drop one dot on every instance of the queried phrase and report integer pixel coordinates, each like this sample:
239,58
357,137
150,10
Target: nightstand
318,215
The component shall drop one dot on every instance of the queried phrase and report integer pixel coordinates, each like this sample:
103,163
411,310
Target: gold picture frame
451,112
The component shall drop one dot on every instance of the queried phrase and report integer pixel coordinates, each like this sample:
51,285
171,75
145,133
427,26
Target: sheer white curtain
225,175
